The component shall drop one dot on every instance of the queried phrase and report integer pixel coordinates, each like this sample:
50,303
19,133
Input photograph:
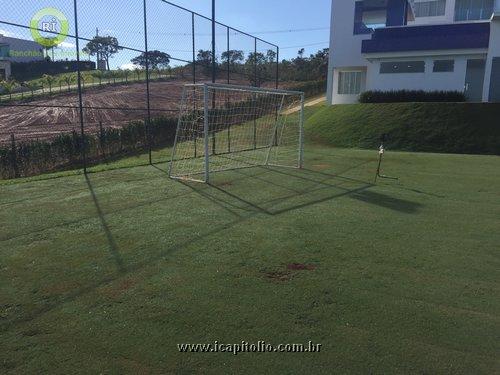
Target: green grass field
108,273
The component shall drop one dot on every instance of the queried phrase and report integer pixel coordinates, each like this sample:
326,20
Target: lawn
108,273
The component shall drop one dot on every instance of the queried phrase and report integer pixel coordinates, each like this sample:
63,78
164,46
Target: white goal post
227,127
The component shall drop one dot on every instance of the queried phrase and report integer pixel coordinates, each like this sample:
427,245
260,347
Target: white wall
428,81
345,47
494,50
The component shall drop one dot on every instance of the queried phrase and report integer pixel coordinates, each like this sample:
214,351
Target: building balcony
428,38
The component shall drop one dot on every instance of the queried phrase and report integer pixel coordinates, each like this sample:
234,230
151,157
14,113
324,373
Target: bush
405,96
65,151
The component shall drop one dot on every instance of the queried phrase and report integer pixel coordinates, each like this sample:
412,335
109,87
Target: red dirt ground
45,118
112,105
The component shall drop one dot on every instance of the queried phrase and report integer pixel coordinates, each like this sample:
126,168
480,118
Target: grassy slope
109,274
430,127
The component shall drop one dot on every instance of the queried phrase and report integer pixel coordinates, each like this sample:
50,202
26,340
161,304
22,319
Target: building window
441,66
430,8
350,83
4,51
369,16
402,67
473,10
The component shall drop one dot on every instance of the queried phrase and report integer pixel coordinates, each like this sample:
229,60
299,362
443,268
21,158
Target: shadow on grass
274,191
113,247
124,269
281,190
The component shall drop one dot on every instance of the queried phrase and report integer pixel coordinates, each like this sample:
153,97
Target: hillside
471,128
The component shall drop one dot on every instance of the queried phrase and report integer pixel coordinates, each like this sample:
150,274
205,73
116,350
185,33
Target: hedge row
407,96
65,151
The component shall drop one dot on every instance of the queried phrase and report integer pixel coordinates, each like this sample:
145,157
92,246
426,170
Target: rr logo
51,21
50,26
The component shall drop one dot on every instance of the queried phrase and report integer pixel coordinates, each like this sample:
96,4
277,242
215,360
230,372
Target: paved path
309,103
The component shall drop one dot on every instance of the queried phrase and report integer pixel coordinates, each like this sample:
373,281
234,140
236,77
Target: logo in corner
52,23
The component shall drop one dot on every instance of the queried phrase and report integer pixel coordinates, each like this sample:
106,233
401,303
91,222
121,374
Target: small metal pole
228,59
277,67
205,133
80,98
214,66
148,130
14,155
194,50
255,63
301,132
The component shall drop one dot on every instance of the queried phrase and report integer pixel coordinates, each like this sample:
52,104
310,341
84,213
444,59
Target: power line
305,45
290,30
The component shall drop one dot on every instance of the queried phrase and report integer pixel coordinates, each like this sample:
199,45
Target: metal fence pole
148,125
228,58
255,63
277,67
80,98
214,64
13,159
194,46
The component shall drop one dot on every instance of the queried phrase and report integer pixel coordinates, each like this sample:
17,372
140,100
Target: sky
290,24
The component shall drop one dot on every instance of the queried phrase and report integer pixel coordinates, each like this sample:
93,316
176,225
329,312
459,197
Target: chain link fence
85,82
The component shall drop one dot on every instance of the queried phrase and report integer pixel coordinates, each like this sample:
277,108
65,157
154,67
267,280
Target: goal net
225,127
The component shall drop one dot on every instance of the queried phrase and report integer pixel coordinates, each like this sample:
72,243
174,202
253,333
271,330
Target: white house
414,45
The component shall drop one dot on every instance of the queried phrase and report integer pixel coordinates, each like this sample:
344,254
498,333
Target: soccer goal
226,127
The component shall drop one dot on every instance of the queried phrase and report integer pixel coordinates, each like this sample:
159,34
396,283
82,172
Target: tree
99,75
256,68
271,56
68,79
8,87
32,86
156,60
104,46
204,58
233,56
138,72
50,80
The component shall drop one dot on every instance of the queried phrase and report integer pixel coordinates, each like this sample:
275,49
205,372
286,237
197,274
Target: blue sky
170,29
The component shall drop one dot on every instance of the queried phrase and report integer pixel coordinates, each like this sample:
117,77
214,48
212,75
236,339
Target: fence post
194,48
147,83
255,64
214,64
80,98
228,59
101,140
277,67
13,159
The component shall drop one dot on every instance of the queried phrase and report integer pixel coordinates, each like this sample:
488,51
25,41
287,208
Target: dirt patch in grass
301,267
